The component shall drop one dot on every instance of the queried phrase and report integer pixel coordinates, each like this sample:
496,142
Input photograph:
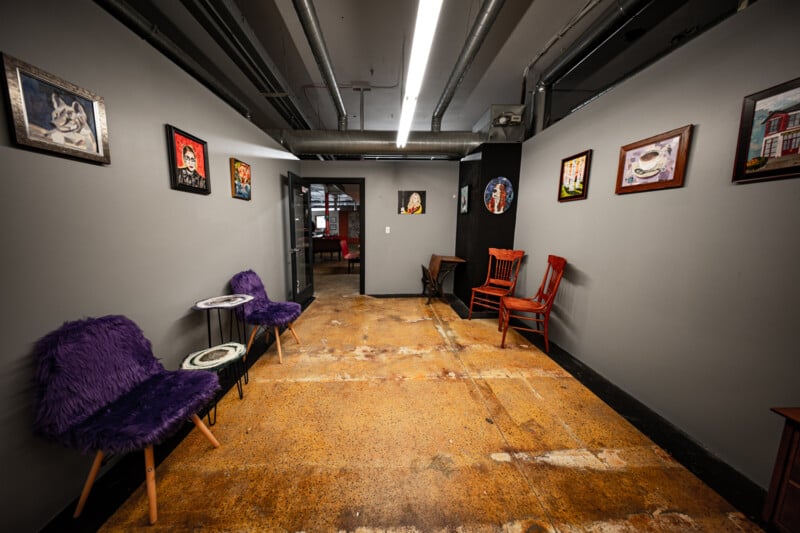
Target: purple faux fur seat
100,389
261,311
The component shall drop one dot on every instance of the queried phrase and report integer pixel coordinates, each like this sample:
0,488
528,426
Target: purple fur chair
100,389
261,311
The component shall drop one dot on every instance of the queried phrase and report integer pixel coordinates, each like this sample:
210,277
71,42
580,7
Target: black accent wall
479,229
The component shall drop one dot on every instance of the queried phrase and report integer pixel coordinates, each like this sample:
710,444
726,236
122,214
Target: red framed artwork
188,159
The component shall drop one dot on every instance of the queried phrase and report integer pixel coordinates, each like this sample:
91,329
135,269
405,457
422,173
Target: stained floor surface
397,416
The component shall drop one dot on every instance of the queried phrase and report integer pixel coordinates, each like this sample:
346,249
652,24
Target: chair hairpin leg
98,461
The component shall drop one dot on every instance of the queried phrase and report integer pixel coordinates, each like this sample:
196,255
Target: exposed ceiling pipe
120,10
483,23
225,23
420,143
607,24
308,18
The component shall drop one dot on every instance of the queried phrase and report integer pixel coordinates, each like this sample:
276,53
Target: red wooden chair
538,307
352,257
501,279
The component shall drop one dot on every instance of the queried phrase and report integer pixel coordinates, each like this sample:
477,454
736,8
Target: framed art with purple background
658,162
769,135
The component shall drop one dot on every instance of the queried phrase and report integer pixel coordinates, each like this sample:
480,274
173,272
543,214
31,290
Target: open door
300,240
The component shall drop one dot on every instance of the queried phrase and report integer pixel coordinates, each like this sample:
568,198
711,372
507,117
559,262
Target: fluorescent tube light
427,18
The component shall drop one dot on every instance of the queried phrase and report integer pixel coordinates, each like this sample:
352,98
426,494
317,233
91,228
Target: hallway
398,416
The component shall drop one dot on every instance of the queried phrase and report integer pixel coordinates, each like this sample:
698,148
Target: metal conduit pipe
483,23
310,22
608,23
133,20
420,143
227,26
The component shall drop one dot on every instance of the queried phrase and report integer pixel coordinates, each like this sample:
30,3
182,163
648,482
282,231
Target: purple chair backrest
85,365
248,282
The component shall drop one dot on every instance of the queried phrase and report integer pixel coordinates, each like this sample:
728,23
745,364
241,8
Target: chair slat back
551,280
84,366
504,267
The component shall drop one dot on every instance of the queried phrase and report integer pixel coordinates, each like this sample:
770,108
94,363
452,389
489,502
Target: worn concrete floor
397,416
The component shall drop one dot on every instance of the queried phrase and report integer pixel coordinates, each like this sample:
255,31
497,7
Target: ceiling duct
378,143
226,25
483,23
609,22
310,22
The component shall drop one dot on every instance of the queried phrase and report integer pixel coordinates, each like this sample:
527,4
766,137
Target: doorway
337,213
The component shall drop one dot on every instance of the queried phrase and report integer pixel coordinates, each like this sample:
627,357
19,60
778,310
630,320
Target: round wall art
498,195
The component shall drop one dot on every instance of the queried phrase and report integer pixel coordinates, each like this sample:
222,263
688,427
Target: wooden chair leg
471,301
505,328
204,430
278,342
250,343
98,460
150,480
291,328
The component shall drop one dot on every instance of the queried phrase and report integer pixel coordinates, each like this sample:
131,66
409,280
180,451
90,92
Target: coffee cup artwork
651,162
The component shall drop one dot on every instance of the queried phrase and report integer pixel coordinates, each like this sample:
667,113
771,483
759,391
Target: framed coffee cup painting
658,162
769,135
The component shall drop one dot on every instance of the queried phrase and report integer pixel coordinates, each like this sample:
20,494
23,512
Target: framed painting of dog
54,115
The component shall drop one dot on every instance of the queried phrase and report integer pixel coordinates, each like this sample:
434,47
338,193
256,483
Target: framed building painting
574,181
188,161
769,135
240,179
54,115
658,162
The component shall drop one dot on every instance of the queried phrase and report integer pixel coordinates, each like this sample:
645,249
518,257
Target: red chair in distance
352,257
501,279
538,307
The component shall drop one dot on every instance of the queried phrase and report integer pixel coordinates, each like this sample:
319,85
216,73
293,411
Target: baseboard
736,488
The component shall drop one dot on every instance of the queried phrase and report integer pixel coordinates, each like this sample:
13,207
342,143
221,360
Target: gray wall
685,298
81,239
392,261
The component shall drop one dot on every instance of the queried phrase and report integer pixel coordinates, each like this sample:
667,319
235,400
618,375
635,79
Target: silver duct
308,18
454,144
483,23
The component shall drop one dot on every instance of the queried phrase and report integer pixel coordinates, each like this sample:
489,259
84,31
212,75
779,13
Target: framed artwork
54,115
658,162
463,200
498,195
240,179
769,135
188,162
411,202
574,181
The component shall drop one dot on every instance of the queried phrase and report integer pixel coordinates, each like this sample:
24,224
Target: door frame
361,216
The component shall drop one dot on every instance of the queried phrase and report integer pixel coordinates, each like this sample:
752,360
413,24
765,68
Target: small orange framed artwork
240,179
574,182
658,162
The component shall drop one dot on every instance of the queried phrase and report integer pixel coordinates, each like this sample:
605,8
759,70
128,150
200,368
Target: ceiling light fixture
427,18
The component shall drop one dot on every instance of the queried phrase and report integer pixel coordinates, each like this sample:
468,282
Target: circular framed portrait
498,195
